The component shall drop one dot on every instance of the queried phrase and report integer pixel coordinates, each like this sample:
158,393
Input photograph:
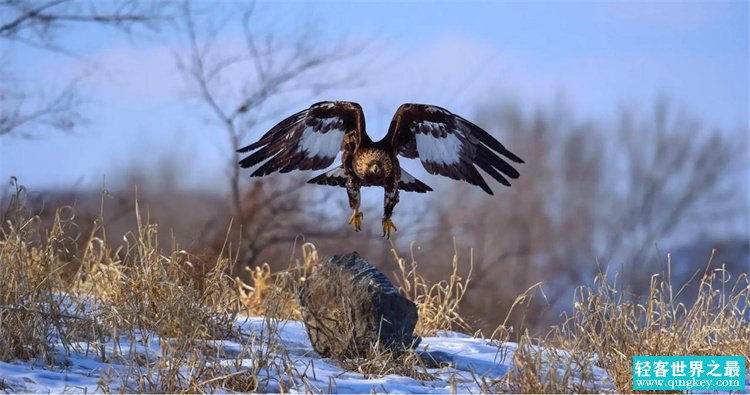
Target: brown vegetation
119,290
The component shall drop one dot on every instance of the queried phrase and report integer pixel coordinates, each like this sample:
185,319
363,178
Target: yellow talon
356,220
387,226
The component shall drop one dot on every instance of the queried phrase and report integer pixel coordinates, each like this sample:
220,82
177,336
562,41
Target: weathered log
349,307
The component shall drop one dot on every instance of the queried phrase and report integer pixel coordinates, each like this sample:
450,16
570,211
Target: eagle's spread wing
307,140
449,145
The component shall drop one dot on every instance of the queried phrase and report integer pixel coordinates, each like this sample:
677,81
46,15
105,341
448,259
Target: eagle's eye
374,167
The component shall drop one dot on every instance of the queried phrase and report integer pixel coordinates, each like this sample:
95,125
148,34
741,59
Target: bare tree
587,193
262,71
21,110
676,171
41,24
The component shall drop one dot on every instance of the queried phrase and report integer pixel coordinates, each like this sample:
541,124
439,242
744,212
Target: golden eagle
445,143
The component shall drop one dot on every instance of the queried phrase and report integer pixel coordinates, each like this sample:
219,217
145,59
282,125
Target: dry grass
275,294
381,361
437,304
58,298
84,299
615,326
608,327
32,311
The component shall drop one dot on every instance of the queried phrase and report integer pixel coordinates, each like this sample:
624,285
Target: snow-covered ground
463,359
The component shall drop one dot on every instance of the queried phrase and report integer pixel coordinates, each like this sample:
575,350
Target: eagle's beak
375,168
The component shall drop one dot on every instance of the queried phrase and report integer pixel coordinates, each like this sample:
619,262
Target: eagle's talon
387,226
356,220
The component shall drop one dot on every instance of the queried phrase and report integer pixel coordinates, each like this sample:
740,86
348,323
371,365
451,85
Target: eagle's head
375,167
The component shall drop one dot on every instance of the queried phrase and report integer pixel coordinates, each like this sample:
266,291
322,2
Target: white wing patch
442,150
321,145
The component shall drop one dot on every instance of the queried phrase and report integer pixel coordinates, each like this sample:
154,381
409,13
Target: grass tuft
437,304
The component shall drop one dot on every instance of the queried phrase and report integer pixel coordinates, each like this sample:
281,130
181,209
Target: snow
462,359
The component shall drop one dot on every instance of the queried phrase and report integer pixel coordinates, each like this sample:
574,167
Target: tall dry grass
437,304
33,312
608,326
615,326
57,299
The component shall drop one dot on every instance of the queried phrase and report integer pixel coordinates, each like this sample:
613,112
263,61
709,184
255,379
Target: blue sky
599,55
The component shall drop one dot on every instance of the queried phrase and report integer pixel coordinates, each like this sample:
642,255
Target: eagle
445,143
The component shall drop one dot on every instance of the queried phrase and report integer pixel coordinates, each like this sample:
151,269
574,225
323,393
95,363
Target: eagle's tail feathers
409,183
337,178
334,177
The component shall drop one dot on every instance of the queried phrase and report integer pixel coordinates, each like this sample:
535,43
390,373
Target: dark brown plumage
445,143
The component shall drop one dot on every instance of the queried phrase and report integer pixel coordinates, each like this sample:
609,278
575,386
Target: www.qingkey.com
688,383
